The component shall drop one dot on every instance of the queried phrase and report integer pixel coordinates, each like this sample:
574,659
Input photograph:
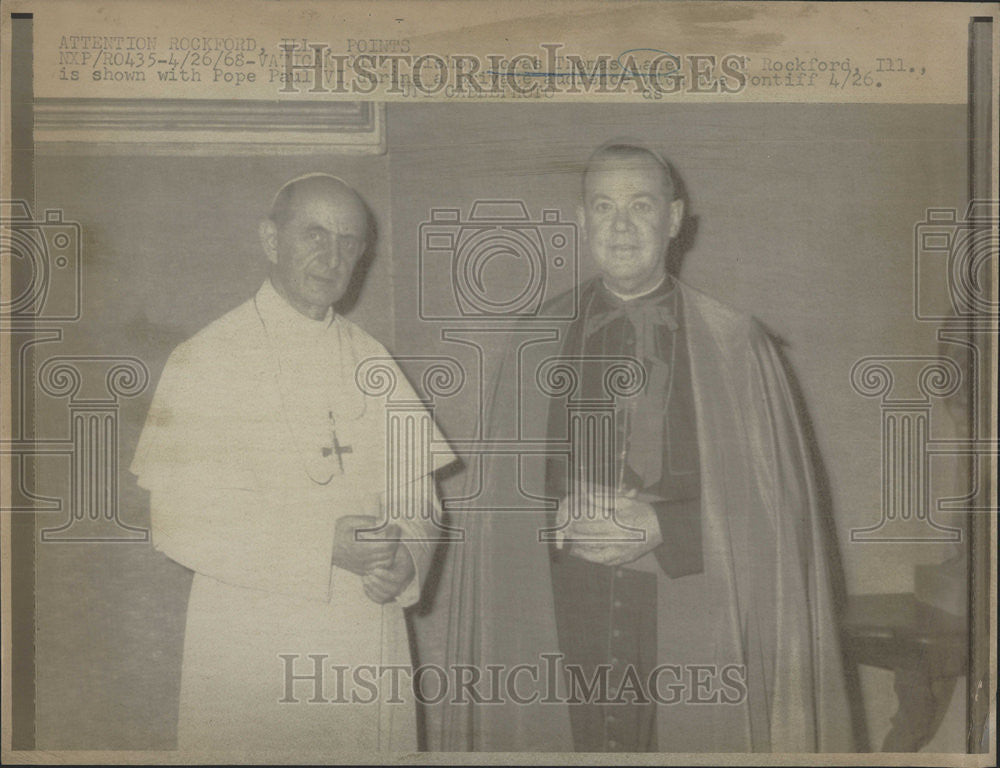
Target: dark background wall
802,216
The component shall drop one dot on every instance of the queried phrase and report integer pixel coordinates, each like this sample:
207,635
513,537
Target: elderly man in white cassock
266,466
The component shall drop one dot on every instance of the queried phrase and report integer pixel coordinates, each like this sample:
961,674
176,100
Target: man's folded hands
385,567
612,528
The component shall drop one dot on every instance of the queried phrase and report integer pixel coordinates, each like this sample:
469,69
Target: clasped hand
610,541
384,566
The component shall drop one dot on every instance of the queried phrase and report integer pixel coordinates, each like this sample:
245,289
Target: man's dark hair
628,150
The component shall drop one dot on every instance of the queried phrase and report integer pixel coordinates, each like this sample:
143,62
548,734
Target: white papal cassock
232,453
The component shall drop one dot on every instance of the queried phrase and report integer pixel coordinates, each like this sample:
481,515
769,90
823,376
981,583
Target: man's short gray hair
630,149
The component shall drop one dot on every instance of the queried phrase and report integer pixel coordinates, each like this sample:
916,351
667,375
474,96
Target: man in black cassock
677,558
604,586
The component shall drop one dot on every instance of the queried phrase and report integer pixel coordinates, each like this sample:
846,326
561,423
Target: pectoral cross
336,448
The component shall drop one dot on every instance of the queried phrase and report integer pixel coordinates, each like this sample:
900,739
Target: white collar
282,319
630,296
291,336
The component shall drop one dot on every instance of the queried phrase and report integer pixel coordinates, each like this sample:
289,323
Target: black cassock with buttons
734,606
606,615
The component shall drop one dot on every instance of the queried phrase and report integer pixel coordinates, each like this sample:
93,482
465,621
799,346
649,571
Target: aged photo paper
498,382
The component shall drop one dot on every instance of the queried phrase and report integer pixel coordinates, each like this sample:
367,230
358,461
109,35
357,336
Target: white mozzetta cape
234,433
